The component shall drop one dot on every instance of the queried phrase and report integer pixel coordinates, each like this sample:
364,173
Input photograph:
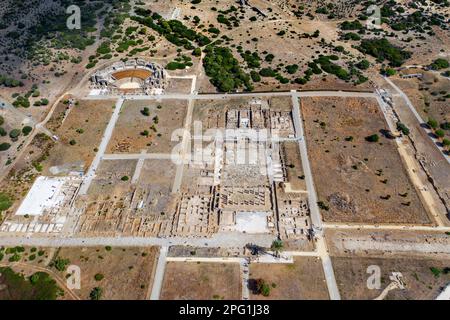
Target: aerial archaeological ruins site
217,150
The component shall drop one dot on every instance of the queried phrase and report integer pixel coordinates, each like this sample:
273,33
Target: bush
99,277
4,146
363,64
439,64
269,57
255,76
445,125
403,128
440,133
262,287
351,36
291,69
5,202
125,178
351,25
61,264
436,272
446,142
26,130
373,138
323,206
267,72
432,123
96,293
197,52
14,134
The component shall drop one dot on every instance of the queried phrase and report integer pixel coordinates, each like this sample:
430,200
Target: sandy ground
303,280
85,125
357,180
128,272
164,118
198,281
421,283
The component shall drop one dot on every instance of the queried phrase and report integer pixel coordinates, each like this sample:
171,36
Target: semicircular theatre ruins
135,76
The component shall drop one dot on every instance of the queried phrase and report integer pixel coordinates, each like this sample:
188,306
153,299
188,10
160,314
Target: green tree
446,143
61,264
277,246
99,277
432,123
373,138
262,287
4,146
363,64
439,64
96,293
26,130
403,128
440,133
14,134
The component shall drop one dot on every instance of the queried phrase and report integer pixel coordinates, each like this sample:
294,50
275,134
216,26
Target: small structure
412,75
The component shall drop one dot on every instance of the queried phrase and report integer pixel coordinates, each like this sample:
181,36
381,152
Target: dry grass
201,281
164,119
302,280
357,180
127,272
351,276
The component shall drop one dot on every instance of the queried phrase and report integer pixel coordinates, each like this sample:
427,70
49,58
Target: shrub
446,142
269,57
5,202
436,272
267,72
440,133
363,64
4,146
14,134
323,206
439,64
255,76
403,128
262,287
26,130
373,138
351,25
61,264
96,293
99,277
432,123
